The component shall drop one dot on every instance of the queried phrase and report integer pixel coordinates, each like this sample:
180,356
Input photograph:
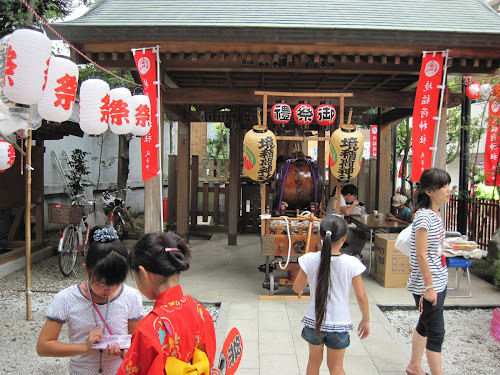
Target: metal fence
483,219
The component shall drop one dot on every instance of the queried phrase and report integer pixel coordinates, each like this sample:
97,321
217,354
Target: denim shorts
332,340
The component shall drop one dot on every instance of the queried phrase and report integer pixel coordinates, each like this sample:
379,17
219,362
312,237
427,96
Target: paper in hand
122,340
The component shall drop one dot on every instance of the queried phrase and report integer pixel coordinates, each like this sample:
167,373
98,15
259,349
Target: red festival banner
424,112
492,151
145,59
373,140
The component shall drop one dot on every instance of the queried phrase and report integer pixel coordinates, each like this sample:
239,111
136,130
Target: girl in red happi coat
178,334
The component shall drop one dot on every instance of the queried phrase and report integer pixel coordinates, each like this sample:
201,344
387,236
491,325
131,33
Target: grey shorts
332,340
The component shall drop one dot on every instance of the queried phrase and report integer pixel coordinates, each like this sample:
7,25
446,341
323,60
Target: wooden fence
483,219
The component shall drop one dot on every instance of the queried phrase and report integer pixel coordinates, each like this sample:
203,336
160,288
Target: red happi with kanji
424,112
146,65
492,151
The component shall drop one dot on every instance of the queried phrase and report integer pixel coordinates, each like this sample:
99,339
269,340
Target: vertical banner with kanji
492,151
145,59
424,112
373,140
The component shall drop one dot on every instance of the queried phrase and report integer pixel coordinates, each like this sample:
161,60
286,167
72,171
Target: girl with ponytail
330,275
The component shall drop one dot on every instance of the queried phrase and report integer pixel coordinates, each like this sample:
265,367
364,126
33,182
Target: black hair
349,189
106,261
150,253
337,228
432,179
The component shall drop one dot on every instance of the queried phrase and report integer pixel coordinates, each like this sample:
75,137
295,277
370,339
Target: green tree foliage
79,171
217,147
13,13
90,71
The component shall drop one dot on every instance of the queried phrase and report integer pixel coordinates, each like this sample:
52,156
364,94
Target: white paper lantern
94,106
26,66
58,98
121,118
7,155
485,91
141,110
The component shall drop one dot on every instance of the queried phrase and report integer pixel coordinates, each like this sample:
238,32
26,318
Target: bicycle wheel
67,250
119,224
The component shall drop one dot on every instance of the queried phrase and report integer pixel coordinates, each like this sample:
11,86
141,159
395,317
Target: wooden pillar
172,192
440,161
234,183
383,197
183,168
321,164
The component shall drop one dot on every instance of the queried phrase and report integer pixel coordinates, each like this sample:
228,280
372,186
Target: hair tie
106,234
167,249
328,233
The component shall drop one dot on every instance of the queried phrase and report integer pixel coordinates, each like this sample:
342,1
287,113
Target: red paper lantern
58,98
281,113
472,90
7,155
94,106
325,114
303,113
141,110
496,90
121,119
26,66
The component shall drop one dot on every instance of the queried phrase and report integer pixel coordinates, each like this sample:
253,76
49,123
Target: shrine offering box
392,268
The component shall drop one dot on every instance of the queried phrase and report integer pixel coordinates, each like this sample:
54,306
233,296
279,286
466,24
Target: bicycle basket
65,214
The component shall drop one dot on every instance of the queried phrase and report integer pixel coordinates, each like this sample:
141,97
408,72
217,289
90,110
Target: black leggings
431,322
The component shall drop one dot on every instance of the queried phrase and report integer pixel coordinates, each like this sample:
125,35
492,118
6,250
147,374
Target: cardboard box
392,268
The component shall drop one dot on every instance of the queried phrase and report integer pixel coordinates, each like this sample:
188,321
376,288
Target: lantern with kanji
58,98
472,90
94,106
121,118
141,110
26,66
346,152
281,113
259,153
7,155
303,114
325,114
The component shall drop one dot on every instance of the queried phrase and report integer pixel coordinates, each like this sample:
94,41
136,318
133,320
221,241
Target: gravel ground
468,346
18,336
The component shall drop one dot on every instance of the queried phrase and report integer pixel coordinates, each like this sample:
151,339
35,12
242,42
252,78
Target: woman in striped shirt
429,274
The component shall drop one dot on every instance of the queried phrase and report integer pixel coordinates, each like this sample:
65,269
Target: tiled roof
465,16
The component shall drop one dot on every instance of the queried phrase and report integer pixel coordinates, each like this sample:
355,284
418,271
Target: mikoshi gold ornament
259,153
346,152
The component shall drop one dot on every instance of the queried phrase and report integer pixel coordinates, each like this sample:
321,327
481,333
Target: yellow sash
200,365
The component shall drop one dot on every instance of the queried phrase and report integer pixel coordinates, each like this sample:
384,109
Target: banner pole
159,122
439,119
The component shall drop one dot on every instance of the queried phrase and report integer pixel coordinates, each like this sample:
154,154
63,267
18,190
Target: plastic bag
403,241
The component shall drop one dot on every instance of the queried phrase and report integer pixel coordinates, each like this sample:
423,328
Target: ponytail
332,229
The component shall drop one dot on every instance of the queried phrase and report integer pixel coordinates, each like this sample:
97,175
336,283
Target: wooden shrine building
216,54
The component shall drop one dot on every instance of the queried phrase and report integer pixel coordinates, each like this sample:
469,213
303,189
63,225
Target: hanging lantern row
303,114
477,90
101,107
7,155
32,76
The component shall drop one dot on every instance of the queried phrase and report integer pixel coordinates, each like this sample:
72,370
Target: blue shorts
332,340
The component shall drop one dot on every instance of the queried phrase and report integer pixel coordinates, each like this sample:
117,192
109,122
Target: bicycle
118,216
77,224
